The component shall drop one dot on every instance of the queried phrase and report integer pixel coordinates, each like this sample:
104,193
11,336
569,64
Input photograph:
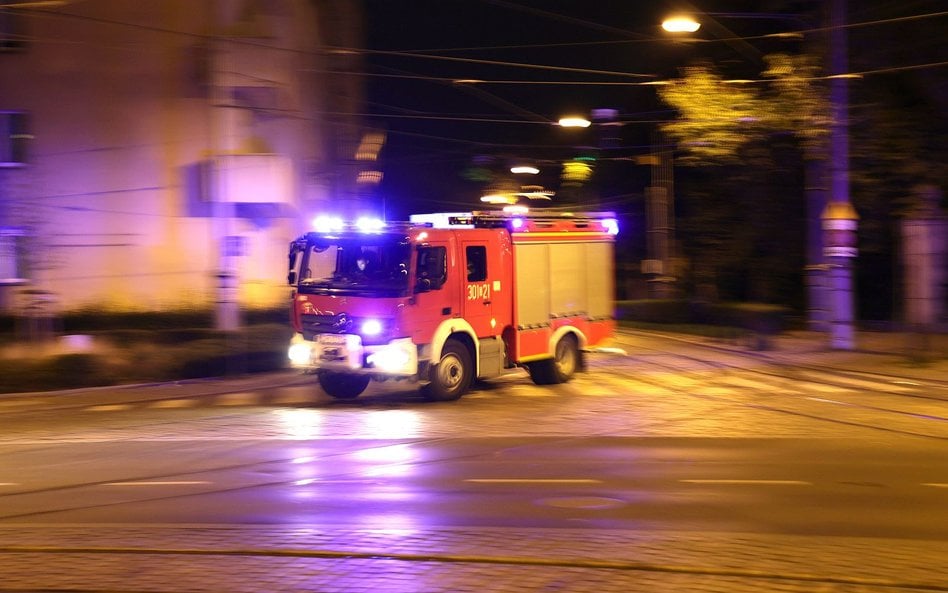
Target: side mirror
291,278
423,285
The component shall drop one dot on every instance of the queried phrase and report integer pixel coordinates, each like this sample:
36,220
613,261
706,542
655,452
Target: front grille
342,323
326,324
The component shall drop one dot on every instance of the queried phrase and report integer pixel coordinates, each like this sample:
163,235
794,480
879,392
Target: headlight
390,359
400,356
300,353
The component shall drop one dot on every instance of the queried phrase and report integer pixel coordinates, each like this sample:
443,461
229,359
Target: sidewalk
885,353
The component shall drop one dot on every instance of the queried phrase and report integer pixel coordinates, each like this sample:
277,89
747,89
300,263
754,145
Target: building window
14,136
11,256
12,28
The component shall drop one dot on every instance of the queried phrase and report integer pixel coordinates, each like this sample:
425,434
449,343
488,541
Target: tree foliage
717,117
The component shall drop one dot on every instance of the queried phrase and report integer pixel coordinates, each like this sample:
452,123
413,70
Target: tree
744,219
896,135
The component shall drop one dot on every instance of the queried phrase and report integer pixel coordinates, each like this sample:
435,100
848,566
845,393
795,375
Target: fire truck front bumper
347,353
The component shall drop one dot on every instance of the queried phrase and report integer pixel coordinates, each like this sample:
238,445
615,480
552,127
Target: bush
82,370
90,321
655,311
185,334
279,316
158,353
7,324
758,318
66,371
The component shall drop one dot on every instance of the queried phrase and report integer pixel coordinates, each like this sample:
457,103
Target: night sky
439,131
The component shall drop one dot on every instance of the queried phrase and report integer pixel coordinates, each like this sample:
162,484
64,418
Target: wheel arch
460,330
561,332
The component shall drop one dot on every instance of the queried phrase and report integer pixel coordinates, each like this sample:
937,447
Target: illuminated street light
574,122
524,170
681,24
499,198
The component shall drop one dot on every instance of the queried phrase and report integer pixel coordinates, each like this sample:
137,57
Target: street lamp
506,190
680,24
574,122
579,169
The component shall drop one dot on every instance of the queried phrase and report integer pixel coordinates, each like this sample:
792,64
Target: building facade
161,155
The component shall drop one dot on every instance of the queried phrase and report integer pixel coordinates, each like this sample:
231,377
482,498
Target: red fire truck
446,298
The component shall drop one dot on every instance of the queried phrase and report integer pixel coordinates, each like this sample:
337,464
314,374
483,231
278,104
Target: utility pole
660,220
839,217
227,309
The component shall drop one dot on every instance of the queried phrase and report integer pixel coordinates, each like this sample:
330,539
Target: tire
343,385
452,376
561,368
541,372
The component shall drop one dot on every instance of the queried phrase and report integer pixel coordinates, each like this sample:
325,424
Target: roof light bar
327,224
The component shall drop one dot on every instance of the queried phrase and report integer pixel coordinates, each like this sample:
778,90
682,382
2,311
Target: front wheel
343,385
452,376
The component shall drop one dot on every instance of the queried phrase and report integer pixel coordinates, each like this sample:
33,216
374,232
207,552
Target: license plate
332,339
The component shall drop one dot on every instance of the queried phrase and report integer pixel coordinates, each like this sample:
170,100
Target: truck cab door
433,294
478,281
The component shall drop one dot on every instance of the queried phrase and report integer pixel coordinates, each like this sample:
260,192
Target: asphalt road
676,444
828,487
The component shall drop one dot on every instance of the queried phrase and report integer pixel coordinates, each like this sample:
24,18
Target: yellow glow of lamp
499,199
574,122
576,171
681,24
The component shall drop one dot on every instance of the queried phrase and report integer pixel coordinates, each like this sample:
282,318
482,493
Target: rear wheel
561,368
566,359
452,376
343,385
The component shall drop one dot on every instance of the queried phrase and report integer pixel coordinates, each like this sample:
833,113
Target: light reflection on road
392,424
300,424
306,424
388,461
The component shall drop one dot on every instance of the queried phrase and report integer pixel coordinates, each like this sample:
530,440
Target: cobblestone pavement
156,558
309,558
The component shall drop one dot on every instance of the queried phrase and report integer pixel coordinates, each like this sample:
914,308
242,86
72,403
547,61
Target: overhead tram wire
485,96
487,81
420,54
563,18
507,64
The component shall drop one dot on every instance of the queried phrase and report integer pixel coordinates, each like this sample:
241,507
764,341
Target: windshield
365,265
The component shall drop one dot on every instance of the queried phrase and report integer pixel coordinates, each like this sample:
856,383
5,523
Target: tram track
898,398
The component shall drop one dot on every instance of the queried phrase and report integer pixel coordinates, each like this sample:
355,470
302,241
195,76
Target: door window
432,268
476,263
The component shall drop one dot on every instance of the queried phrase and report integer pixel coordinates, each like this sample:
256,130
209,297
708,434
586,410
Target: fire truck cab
446,298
